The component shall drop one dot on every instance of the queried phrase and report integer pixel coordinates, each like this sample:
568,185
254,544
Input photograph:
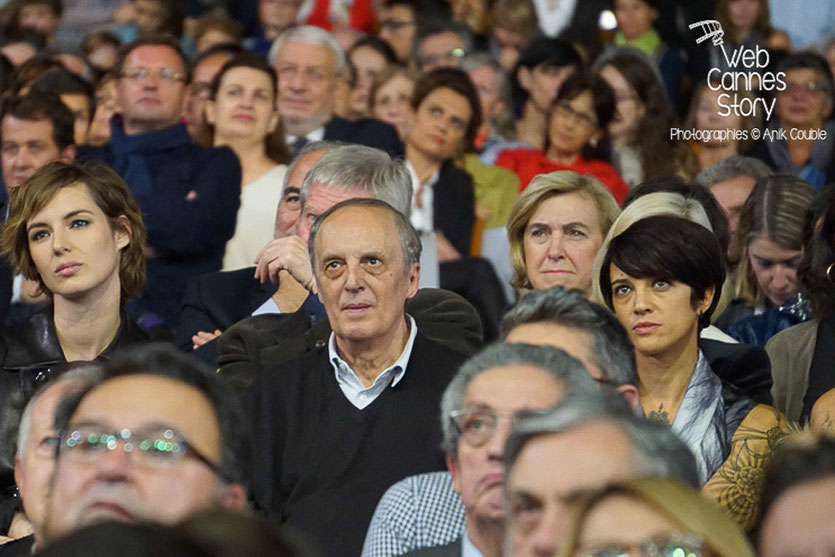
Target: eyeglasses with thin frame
154,448
164,74
664,545
454,56
477,425
810,87
564,110
395,24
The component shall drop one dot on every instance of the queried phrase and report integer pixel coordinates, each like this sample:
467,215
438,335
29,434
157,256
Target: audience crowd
450,278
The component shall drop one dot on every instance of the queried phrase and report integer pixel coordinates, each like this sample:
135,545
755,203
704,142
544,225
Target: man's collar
399,364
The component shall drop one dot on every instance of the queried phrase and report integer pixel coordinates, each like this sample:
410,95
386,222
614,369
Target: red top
527,163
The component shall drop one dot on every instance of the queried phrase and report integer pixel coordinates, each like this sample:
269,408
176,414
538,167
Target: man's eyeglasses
454,56
669,545
809,87
165,74
156,448
476,426
395,24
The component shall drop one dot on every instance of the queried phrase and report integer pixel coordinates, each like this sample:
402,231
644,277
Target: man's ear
234,498
452,466
630,393
19,478
414,280
209,109
524,77
68,153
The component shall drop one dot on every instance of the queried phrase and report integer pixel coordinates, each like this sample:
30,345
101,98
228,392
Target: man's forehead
303,166
306,53
155,55
18,127
139,398
375,227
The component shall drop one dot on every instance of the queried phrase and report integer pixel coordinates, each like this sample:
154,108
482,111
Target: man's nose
354,277
113,465
545,536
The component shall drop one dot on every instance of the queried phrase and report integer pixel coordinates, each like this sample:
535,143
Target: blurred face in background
391,103
629,108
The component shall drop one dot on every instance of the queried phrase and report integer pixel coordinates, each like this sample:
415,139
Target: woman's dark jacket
30,355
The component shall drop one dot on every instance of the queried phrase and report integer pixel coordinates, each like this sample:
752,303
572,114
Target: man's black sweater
321,464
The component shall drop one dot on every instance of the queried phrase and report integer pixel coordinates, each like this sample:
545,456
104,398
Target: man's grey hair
310,34
409,239
357,167
657,452
480,59
731,168
84,376
325,145
611,346
566,370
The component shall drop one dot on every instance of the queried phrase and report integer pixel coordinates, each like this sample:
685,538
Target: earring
593,143
830,273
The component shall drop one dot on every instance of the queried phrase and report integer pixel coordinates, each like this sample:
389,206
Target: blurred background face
542,83
707,114
150,16
39,17
442,50
731,195
392,102
278,13
629,109
486,82
634,17
775,268
245,104
573,125
398,28
744,13
369,64
805,102
799,522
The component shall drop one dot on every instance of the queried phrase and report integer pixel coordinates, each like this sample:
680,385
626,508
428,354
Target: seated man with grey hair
588,440
565,319
731,181
555,317
309,63
336,426
495,388
35,458
298,322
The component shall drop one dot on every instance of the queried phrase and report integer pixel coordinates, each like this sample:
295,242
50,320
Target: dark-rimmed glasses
155,448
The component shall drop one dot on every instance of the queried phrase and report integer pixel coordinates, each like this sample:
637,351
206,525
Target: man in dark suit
372,391
309,62
349,171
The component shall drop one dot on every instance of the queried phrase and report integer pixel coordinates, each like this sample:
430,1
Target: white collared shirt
267,308
422,217
358,394
316,135
468,549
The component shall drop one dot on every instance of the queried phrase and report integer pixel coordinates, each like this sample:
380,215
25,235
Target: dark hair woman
662,278
576,138
78,232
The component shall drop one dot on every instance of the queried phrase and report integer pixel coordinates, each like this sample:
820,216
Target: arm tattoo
736,484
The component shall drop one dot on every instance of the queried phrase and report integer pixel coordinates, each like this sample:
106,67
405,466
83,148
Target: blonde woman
654,517
556,227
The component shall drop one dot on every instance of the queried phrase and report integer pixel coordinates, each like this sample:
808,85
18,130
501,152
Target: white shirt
468,549
358,394
422,216
316,135
267,308
554,15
